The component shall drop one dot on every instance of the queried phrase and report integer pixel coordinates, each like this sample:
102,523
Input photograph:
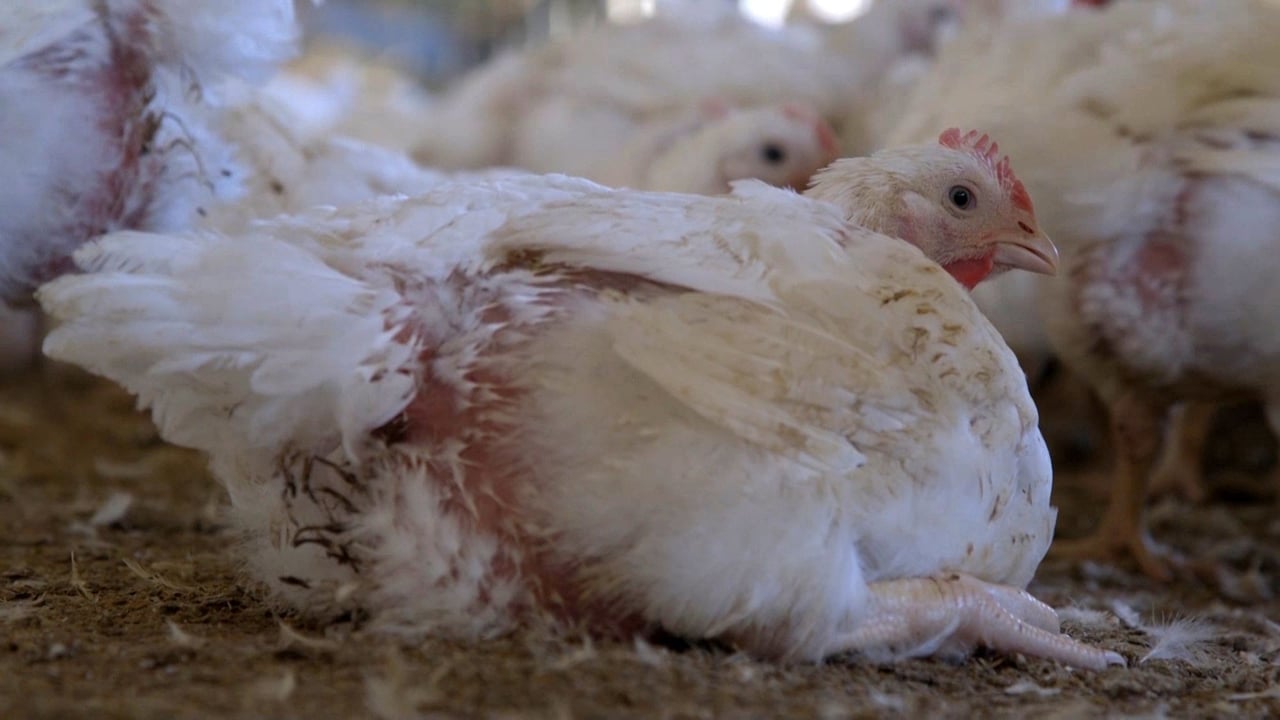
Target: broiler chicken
736,417
558,106
1151,133
106,110
332,89
894,43
287,172
703,151
104,119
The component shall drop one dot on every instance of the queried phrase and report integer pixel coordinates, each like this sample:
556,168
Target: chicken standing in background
537,395
1151,134
895,43
105,115
704,151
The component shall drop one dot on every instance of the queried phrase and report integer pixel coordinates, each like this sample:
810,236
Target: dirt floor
119,598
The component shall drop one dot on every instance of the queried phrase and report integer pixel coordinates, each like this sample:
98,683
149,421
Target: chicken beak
1033,252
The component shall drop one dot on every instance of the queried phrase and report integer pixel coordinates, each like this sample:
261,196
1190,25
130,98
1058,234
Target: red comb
986,149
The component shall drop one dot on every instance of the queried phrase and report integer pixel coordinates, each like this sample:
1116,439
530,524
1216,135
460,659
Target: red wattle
971,272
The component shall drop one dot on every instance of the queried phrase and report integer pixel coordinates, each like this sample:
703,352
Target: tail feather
238,344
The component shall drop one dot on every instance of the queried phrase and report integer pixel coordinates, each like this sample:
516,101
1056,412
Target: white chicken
702,153
704,150
287,172
331,89
560,105
105,124
871,117
735,417
1151,134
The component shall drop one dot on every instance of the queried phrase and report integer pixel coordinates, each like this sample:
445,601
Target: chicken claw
920,616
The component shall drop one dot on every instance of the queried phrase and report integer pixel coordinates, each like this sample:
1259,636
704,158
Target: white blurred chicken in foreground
732,417
1151,134
105,120
106,114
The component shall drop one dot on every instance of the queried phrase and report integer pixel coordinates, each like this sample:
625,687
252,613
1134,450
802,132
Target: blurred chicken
1151,133
564,103
895,43
331,89
286,172
733,417
105,124
703,151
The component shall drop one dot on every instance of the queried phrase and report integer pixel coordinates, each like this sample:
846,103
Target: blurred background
436,40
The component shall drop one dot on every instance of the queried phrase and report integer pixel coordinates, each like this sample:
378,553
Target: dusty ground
118,599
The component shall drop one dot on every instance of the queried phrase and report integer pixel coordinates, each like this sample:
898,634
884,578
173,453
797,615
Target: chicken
703,151
962,205
1151,131
896,29
286,172
735,417
558,106
103,119
1179,470
105,114
331,89
895,42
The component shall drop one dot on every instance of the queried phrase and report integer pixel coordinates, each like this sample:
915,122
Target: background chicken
285,171
333,89
104,122
704,150
558,105
404,430
1150,133
568,100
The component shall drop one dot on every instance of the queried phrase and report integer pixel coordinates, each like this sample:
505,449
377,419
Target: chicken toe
922,616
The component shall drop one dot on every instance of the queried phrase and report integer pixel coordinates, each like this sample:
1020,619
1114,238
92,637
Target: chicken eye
773,153
941,14
961,197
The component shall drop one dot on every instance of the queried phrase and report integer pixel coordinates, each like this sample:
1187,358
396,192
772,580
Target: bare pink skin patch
486,482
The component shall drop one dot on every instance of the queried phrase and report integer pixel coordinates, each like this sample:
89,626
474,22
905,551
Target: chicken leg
1180,470
914,617
1136,426
1272,410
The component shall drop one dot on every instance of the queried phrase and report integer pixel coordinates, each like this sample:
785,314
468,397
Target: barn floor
118,599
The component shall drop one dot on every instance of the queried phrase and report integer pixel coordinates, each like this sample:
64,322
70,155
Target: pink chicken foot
919,616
